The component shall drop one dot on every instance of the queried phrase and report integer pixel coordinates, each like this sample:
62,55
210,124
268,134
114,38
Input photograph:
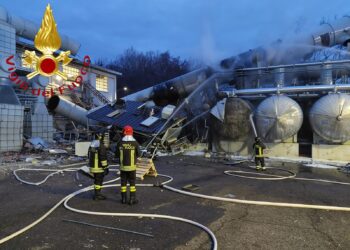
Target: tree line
144,69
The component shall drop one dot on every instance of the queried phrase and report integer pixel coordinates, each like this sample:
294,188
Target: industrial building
208,124
23,112
293,94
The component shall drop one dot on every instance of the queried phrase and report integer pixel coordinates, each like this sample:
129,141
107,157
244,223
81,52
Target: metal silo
330,117
232,118
278,118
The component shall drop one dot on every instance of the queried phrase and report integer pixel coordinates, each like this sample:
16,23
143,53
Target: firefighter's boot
98,195
133,199
124,198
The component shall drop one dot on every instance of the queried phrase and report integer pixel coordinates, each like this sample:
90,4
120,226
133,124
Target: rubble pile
39,152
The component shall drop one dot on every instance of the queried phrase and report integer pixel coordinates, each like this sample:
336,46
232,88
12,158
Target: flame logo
47,40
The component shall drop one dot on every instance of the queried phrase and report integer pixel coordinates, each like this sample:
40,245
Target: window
102,83
7,40
71,72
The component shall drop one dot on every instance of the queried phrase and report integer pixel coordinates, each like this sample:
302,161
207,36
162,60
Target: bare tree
144,69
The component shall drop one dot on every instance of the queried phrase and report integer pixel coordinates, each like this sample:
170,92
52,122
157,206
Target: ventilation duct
70,110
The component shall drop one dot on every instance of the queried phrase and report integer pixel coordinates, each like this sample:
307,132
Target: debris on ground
318,165
345,169
190,187
49,163
75,158
38,143
57,151
32,160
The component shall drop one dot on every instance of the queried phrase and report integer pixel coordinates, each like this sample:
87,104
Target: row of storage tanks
279,117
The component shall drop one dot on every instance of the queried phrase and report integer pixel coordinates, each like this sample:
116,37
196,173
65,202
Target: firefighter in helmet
259,147
127,151
98,164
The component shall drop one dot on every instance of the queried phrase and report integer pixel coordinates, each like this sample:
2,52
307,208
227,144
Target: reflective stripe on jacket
259,149
128,153
98,159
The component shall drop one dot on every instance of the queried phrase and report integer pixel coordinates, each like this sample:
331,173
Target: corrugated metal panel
132,116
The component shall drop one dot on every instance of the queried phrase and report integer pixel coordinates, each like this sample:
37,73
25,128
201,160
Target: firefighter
98,164
127,151
259,147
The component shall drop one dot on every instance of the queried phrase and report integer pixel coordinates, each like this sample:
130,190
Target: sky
205,30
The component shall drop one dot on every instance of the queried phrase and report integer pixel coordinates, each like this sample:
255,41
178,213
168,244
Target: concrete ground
236,226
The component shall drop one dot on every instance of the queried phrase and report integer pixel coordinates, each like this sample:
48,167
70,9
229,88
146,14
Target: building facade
24,113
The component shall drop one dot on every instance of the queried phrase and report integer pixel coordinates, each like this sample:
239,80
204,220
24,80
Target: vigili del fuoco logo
47,40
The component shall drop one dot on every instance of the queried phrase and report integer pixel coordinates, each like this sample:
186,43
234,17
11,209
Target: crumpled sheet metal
330,117
236,125
278,118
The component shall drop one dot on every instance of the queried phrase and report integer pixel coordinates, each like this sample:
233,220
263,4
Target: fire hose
70,196
66,199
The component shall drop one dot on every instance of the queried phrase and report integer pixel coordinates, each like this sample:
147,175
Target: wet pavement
236,226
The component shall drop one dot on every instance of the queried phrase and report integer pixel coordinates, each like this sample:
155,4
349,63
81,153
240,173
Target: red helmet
128,130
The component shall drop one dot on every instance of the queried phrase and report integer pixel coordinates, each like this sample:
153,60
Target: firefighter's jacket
259,149
97,157
128,150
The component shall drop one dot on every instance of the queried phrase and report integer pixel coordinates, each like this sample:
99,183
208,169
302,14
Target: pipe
70,110
327,74
27,29
292,89
334,33
297,65
292,50
172,90
279,76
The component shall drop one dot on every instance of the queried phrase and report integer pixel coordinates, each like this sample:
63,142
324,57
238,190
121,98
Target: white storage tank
330,117
278,118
